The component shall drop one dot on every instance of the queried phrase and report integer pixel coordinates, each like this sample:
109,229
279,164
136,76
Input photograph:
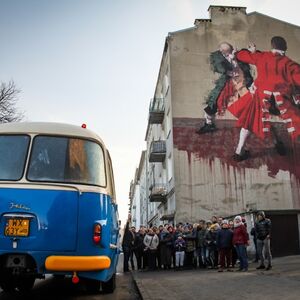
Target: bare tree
8,100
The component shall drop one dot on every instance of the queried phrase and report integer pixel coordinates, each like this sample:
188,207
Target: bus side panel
98,208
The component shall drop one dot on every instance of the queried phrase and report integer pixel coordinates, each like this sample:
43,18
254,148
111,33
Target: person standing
224,244
241,241
127,244
263,232
254,235
179,252
151,242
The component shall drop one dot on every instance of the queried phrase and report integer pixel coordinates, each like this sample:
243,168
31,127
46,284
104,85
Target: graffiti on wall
275,91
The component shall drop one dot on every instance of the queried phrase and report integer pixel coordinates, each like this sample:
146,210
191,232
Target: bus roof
50,128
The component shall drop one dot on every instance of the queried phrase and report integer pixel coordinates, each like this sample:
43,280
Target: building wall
207,180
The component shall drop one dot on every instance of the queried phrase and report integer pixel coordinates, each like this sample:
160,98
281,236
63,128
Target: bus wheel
59,276
26,284
110,285
93,286
7,285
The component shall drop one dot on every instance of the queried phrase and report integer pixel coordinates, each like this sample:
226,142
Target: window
165,85
13,153
69,160
111,177
168,123
170,167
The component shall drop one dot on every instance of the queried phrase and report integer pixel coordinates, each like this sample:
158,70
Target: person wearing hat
263,234
241,241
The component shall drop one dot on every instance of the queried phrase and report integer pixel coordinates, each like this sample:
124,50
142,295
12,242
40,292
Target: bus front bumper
77,263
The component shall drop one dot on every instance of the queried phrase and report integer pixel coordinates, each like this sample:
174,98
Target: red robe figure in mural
272,91
277,77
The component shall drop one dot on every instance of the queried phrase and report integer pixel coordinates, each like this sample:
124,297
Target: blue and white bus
58,212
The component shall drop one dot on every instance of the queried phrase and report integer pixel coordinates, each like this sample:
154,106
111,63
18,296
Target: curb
140,289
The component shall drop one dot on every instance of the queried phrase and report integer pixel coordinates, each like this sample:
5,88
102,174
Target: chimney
215,10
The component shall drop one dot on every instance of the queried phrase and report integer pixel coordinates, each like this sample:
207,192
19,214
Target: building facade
191,176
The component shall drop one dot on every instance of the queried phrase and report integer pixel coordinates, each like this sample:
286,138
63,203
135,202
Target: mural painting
273,93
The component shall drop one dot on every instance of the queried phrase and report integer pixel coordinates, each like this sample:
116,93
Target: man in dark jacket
263,232
224,244
127,244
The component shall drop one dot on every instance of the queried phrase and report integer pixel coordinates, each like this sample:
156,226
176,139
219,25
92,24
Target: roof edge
264,15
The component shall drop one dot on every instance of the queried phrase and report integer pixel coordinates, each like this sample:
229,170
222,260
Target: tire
93,286
25,284
109,286
58,276
7,285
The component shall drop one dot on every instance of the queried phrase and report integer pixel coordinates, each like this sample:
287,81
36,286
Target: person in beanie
263,234
224,243
241,241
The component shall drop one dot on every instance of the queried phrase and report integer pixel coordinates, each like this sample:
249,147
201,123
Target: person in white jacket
151,242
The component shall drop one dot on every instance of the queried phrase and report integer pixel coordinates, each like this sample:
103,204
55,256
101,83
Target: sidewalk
282,282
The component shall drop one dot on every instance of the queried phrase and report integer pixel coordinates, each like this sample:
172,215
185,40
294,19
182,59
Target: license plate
17,227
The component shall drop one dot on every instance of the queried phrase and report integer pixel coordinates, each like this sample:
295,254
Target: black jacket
128,238
263,228
224,238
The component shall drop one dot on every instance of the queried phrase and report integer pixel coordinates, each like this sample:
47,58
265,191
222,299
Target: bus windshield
66,160
13,152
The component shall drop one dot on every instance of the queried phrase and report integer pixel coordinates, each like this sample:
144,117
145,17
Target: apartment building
191,176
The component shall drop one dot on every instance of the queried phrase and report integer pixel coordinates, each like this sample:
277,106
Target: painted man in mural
273,92
234,81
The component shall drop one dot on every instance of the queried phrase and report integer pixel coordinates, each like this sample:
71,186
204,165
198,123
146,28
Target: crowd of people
214,244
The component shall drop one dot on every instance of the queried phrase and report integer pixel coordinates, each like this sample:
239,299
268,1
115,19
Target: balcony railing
157,151
158,193
156,110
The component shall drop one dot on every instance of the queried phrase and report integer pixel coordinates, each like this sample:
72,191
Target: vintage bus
58,212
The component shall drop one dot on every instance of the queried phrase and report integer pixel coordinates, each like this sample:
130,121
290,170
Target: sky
97,62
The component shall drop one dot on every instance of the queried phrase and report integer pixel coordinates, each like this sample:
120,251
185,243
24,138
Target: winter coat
151,241
224,238
180,245
201,238
128,238
263,228
240,235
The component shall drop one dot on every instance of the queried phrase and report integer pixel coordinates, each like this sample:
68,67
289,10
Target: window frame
67,182
26,154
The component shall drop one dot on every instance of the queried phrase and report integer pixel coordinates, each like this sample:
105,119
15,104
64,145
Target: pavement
282,282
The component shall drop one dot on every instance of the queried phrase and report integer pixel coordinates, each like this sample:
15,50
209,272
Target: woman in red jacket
241,241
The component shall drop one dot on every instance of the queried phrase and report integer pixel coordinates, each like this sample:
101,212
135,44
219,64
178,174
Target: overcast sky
97,61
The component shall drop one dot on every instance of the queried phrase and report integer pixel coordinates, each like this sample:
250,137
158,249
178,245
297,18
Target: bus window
68,160
13,152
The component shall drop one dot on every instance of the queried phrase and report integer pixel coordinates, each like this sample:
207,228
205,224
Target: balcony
168,217
157,151
156,110
158,193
